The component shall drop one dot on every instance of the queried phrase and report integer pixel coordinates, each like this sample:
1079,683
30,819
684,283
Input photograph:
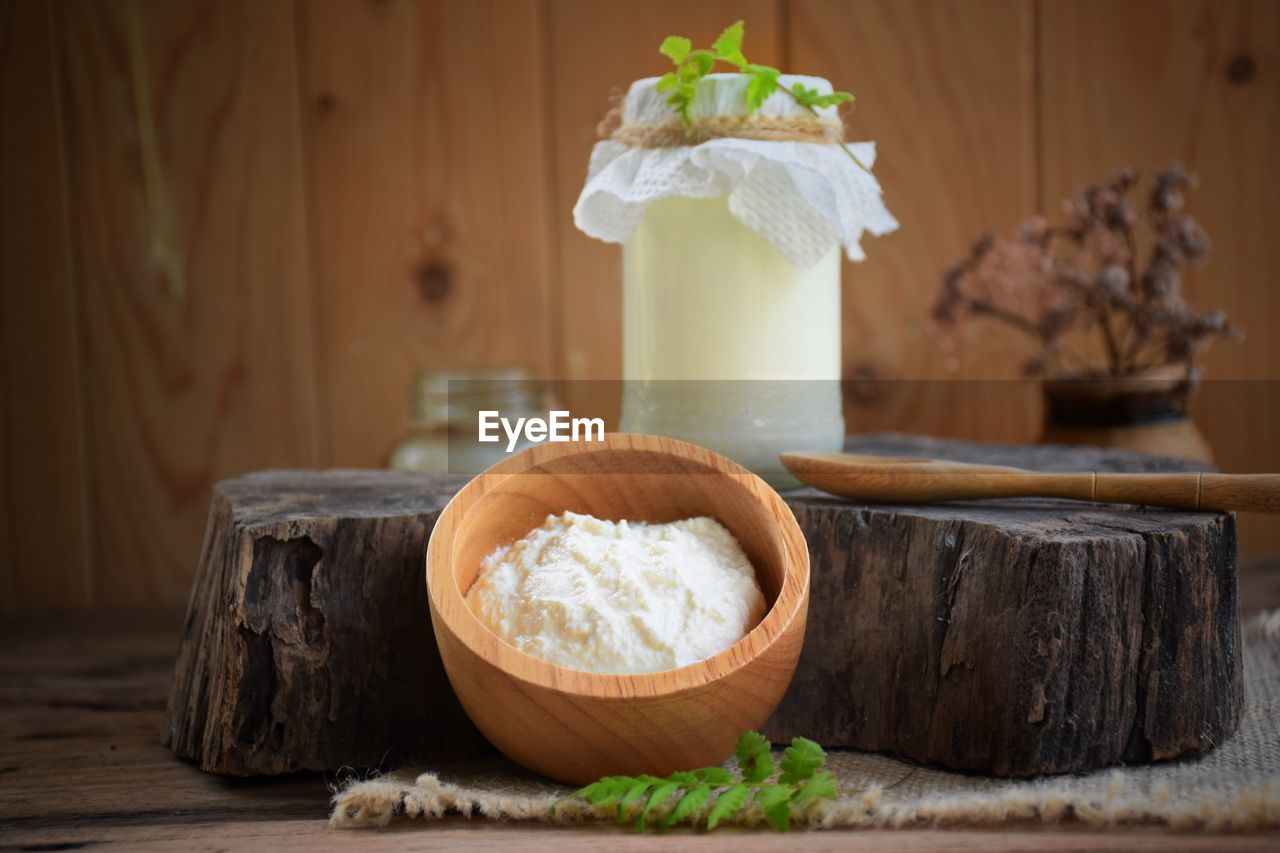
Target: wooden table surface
81,703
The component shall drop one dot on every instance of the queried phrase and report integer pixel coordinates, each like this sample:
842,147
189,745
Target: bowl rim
449,610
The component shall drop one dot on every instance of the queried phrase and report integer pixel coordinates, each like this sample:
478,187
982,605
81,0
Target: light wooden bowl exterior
576,726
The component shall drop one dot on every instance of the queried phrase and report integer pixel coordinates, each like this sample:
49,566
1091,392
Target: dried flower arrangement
1084,275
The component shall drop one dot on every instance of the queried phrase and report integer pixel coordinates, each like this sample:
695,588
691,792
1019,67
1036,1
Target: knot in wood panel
1241,69
435,280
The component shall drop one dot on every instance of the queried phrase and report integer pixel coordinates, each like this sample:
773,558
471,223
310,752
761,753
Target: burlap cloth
1234,787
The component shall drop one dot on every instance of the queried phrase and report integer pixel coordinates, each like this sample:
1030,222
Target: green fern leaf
775,802
688,804
727,804
660,795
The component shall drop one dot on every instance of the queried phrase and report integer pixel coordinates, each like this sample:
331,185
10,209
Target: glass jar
444,409
732,219
726,343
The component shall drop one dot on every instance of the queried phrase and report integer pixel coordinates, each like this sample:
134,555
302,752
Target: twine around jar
674,133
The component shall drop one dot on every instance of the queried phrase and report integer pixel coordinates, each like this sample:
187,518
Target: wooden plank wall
188,220
230,232
44,525
1149,81
946,89
430,179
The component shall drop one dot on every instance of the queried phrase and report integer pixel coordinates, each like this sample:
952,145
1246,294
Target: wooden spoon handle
1241,492
888,480
1208,492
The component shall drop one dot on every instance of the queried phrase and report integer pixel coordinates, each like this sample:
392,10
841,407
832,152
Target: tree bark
1017,637
1013,637
308,642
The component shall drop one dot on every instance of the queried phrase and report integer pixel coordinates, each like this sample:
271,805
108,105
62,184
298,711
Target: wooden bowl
576,726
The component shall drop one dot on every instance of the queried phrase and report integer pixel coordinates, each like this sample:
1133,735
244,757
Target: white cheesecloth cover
803,197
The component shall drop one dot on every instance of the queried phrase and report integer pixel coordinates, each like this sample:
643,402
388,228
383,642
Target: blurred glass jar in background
444,410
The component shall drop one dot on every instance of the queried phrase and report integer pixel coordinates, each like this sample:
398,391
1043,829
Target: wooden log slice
308,642
1014,637
1021,636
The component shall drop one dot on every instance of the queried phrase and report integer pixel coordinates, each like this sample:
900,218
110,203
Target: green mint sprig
800,781
681,85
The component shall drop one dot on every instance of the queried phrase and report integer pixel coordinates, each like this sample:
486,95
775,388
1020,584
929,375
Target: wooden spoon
888,479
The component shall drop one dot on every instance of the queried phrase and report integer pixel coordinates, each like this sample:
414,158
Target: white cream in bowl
619,597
